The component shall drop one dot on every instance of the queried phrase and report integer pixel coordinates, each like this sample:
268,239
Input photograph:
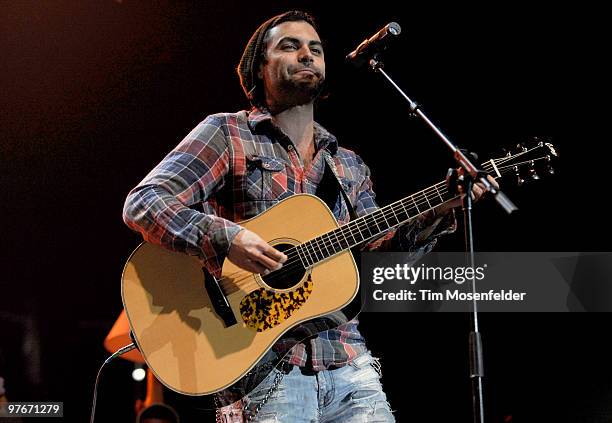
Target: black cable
116,354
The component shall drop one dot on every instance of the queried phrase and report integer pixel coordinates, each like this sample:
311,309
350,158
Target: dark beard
298,93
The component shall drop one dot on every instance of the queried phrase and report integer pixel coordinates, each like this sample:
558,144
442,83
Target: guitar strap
330,196
330,178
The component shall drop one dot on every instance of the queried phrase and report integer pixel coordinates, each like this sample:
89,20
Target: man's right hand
249,252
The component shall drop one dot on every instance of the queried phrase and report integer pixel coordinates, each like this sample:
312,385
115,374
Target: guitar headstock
524,161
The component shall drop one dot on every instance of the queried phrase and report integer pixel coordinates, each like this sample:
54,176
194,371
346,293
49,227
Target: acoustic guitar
201,335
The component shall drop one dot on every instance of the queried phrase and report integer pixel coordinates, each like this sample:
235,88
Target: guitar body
191,349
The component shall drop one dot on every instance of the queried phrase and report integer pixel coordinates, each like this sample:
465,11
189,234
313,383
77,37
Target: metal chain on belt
250,415
277,380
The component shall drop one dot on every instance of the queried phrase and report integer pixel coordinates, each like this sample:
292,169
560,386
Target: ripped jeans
349,394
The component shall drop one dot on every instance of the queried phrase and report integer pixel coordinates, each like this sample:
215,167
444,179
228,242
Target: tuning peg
519,179
532,172
549,168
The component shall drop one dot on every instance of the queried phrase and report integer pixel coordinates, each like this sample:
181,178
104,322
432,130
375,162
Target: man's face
294,69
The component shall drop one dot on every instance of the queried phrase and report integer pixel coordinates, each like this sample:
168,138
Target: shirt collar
260,121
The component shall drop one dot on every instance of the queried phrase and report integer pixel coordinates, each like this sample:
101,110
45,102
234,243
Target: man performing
232,167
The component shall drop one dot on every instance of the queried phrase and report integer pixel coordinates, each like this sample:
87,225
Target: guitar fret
319,247
310,250
376,221
386,221
329,246
352,234
415,204
361,231
338,243
345,238
427,199
405,210
303,253
360,237
367,226
397,220
375,218
304,264
335,242
325,246
439,195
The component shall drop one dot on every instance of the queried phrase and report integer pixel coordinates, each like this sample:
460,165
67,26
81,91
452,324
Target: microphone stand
470,175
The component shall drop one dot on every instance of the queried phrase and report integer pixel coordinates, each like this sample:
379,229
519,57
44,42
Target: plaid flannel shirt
232,167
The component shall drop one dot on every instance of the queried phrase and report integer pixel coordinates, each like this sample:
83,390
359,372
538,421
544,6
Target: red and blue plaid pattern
232,167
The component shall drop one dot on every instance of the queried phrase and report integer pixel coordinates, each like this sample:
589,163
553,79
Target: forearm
162,219
419,235
161,206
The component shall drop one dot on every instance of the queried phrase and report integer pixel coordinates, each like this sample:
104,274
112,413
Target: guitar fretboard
372,225
380,221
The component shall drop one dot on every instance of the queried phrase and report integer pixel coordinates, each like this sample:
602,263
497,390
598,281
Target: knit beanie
253,52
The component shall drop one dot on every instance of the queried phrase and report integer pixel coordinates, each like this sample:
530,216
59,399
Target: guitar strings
374,216
357,226
293,264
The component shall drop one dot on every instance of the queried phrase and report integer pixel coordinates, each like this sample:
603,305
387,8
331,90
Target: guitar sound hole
290,274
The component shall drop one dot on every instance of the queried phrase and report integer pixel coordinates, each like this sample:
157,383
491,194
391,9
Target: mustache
314,70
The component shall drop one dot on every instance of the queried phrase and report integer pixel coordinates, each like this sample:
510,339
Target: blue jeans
349,394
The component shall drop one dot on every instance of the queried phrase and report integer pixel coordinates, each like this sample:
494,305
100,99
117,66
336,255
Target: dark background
95,93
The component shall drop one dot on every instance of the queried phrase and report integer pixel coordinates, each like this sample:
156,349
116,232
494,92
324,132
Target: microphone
376,43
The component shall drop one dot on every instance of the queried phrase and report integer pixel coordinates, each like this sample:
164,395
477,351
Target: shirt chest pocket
266,178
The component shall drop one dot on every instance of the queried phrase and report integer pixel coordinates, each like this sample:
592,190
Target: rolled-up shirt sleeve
160,206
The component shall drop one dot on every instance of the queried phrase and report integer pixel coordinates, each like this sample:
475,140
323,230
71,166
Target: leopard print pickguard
263,309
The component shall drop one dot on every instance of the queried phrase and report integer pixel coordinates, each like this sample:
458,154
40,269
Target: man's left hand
478,190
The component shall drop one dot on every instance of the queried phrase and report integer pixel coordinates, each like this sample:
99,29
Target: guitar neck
373,224
382,220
